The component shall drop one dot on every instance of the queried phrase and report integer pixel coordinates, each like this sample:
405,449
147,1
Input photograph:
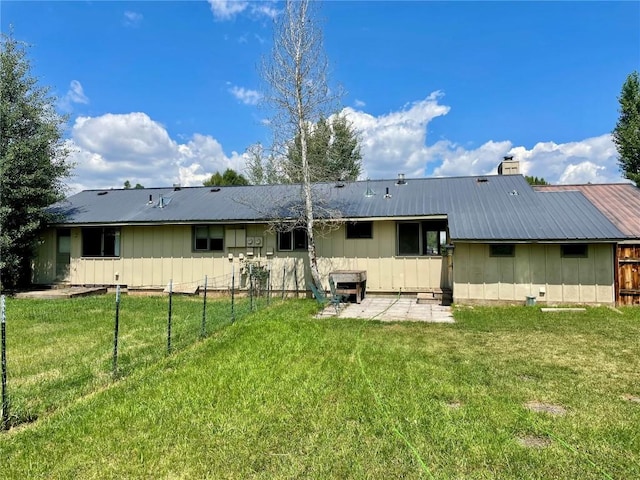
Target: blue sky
168,92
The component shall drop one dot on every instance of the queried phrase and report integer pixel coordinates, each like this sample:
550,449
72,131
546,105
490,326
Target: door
628,284
63,254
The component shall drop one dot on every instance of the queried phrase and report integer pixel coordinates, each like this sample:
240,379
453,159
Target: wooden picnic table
350,282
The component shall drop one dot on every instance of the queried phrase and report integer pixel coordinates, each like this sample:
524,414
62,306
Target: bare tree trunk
296,75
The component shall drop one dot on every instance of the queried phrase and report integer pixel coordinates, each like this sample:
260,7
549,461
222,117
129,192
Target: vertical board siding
150,256
478,276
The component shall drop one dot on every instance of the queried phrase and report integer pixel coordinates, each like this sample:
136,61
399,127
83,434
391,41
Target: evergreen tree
535,180
261,169
33,162
229,177
626,135
333,152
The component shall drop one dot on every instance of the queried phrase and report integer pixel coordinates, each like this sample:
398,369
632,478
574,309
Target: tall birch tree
298,92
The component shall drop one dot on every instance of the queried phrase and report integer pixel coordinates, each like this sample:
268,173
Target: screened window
100,242
502,250
292,240
574,251
359,230
422,238
208,238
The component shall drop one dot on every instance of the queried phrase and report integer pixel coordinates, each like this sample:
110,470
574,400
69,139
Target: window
502,250
292,240
422,238
208,238
574,250
359,229
101,242
64,240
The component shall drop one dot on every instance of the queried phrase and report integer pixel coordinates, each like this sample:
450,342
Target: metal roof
498,208
619,202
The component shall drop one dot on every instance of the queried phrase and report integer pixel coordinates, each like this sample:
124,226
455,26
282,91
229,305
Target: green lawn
282,395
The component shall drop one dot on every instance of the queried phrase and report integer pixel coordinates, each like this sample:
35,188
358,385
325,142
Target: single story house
482,238
620,203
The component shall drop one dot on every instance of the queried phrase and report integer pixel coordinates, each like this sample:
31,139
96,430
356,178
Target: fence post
116,329
203,331
250,288
233,288
269,283
295,275
284,276
169,317
5,400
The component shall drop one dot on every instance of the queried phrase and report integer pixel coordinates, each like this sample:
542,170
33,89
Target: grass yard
283,395
60,350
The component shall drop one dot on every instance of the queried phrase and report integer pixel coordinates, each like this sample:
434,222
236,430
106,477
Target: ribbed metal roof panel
479,208
619,202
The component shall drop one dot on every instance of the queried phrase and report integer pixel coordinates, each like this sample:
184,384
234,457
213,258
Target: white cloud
455,160
246,96
228,9
264,9
132,19
359,103
589,160
110,149
396,142
75,94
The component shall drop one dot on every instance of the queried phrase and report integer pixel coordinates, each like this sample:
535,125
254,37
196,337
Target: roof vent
339,185
215,189
514,193
482,180
150,200
369,192
401,180
102,193
177,188
387,194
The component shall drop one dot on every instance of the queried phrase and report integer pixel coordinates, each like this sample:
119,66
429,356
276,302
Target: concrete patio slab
394,309
63,292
